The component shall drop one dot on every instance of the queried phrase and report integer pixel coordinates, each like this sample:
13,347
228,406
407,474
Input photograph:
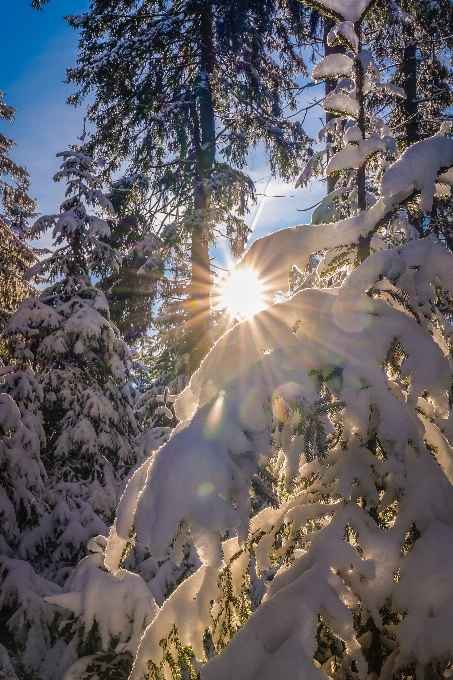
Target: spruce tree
25,618
15,255
329,415
189,90
67,374
66,337
415,48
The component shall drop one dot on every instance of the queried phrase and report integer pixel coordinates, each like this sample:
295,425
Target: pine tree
68,377
176,101
66,337
416,51
15,255
22,476
329,415
25,618
132,289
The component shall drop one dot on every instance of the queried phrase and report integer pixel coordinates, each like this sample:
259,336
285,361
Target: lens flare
214,419
241,293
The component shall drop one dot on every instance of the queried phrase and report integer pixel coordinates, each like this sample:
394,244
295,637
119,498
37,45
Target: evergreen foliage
416,50
337,400
183,91
68,376
67,336
15,255
297,521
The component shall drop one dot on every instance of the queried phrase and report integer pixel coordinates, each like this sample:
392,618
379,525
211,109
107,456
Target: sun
241,293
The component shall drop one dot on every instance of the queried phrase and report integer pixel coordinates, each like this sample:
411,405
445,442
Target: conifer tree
18,207
68,377
187,89
416,50
22,476
25,618
329,415
66,337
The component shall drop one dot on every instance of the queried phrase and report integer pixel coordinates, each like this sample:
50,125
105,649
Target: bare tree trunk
410,104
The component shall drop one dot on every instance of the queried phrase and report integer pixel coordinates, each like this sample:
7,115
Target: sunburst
240,293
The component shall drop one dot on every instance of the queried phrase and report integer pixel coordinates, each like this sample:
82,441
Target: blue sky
35,49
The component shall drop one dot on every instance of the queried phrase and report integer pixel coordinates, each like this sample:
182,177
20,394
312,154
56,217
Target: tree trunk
204,146
373,654
363,249
329,86
410,104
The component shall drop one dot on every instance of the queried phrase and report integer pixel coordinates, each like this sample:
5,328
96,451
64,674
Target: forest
240,470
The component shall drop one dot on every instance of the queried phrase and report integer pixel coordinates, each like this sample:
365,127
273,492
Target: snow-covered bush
27,621
25,618
107,616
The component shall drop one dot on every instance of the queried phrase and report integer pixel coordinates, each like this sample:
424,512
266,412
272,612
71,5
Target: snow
339,394
32,314
341,104
63,534
333,66
418,169
272,257
344,32
80,396
23,591
309,169
121,605
260,651
389,87
71,323
198,473
120,534
189,609
231,408
368,64
355,154
349,10
86,323
6,667
22,471
353,134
